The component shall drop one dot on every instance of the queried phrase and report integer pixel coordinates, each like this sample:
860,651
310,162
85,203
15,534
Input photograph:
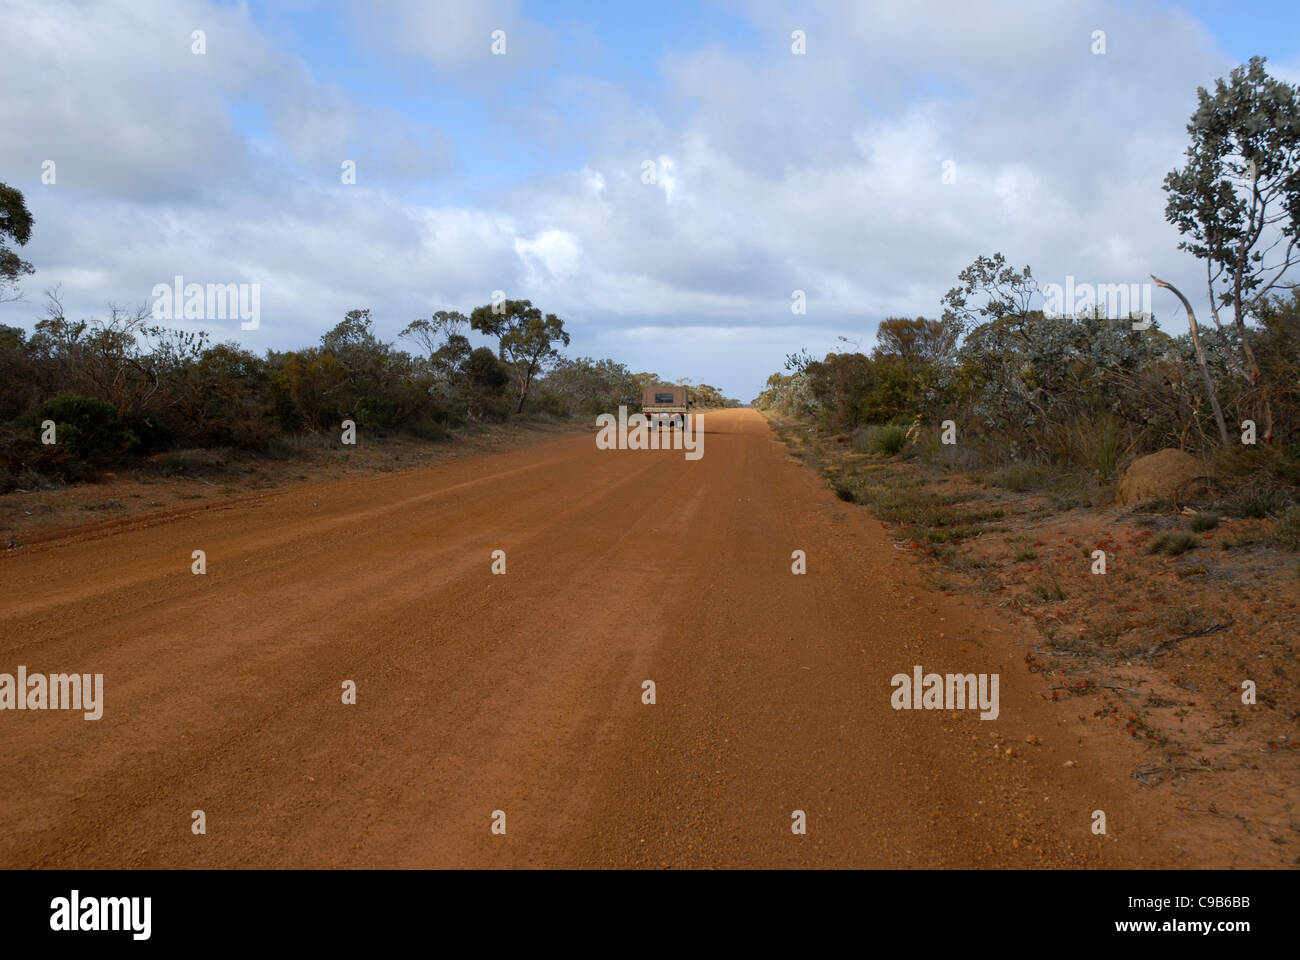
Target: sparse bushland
1063,397
123,389
1058,405
1023,419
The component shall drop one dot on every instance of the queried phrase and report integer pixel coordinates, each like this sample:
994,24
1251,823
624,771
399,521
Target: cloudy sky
524,172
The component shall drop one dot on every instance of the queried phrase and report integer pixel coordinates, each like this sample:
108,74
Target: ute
665,403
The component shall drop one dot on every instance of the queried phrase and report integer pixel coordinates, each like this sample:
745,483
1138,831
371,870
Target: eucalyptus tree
1237,200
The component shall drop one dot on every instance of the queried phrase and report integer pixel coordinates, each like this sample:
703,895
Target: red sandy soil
523,693
189,479
1155,651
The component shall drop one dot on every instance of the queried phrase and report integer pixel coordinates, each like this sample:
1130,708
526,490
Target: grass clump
1287,529
1048,590
1022,477
1258,497
1173,543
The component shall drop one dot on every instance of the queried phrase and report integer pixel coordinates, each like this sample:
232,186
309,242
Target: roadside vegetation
993,442
122,390
1059,398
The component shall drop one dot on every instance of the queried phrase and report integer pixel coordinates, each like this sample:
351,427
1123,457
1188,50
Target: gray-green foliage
585,386
1236,201
527,339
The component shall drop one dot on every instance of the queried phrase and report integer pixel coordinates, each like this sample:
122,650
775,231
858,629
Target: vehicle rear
665,403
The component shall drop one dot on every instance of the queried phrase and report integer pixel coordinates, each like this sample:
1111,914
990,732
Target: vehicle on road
665,403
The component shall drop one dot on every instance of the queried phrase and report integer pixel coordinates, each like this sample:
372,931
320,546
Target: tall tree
15,225
1238,197
527,339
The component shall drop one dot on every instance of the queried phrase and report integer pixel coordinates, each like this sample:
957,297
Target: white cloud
775,172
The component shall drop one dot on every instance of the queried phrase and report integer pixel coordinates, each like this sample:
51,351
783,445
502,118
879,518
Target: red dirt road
523,693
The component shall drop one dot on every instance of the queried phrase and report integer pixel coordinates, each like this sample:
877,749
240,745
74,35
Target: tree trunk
1200,357
524,384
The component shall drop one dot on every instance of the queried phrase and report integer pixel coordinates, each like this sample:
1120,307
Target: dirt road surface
522,693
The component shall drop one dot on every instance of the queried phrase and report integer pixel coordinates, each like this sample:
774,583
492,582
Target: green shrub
89,428
1204,521
888,440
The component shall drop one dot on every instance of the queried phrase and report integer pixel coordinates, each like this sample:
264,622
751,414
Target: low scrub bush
1173,543
888,440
